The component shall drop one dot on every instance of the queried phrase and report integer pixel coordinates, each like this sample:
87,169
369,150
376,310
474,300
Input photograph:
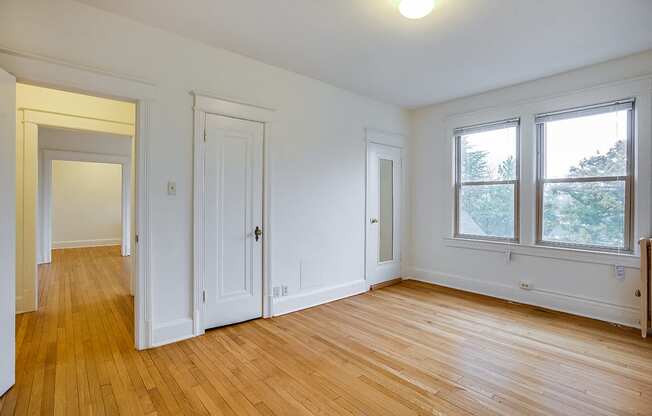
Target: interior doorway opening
95,183
75,171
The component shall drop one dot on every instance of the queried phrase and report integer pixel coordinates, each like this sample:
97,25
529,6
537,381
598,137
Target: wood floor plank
406,349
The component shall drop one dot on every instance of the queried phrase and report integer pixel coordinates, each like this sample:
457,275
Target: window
487,181
585,177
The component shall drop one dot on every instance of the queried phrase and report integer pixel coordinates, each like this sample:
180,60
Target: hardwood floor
408,349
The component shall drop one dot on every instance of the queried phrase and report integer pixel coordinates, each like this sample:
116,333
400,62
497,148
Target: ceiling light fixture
416,9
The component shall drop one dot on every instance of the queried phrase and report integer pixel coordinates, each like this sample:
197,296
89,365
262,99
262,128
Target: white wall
576,282
86,198
86,204
316,153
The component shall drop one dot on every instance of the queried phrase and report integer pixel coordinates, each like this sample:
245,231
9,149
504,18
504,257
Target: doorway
71,124
99,192
139,94
384,180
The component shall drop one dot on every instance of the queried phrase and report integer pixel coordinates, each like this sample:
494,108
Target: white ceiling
464,47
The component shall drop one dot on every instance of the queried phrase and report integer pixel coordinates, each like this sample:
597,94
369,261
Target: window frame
516,182
628,179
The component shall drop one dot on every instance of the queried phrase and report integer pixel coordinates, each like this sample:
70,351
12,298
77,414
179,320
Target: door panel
7,230
233,181
383,213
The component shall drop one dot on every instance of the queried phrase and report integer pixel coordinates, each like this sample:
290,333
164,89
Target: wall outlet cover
172,188
620,272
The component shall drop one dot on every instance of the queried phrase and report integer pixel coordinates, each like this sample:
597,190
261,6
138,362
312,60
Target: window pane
587,213
487,210
386,208
587,146
489,155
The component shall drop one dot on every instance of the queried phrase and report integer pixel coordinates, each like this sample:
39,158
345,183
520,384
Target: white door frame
47,156
399,141
32,120
206,104
7,231
33,68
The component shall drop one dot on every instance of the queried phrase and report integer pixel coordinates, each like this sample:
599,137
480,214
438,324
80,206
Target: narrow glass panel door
383,213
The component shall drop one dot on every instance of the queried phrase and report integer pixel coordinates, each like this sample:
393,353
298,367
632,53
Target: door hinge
203,296
205,136
137,239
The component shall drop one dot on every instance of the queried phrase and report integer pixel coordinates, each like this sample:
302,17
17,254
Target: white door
7,230
383,213
233,220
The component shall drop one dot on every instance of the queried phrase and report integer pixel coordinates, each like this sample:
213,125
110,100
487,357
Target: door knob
257,233
374,220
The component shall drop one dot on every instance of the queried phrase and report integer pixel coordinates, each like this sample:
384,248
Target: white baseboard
576,305
172,331
19,305
308,299
87,243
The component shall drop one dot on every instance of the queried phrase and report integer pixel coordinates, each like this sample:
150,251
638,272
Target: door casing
7,231
41,70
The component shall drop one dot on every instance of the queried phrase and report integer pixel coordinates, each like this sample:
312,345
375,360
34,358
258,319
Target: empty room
342,207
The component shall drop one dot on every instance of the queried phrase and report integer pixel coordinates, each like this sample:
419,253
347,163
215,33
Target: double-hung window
585,177
487,181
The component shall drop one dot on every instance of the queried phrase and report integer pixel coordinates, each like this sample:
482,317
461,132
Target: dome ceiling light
416,9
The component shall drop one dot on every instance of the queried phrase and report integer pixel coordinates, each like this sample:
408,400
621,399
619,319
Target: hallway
73,354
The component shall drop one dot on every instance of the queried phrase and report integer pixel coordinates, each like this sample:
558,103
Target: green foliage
486,209
591,213
613,163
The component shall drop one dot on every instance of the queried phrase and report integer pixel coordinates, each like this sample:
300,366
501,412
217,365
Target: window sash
541,121
478,128
610,107
458,193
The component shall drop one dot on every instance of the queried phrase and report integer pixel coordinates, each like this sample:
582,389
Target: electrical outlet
620,271
526,285
276,291
172,188
284,290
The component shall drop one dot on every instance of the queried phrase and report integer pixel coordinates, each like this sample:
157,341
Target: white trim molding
204,104
383,137
72,65
556,253
319,296
576,305
45,201
143,302
86,243
173,331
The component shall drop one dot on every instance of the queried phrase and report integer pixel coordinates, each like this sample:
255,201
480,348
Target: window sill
556,253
